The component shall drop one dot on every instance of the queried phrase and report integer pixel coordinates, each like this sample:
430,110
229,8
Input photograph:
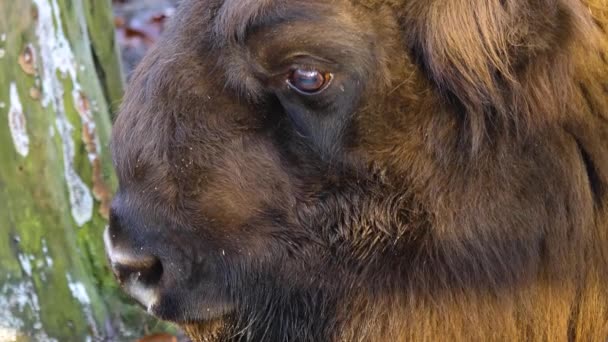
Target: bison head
359,170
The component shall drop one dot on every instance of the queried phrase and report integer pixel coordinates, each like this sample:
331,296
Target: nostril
146,271
130,264
151,275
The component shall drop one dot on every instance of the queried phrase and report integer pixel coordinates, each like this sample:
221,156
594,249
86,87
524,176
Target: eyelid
298,57
301,61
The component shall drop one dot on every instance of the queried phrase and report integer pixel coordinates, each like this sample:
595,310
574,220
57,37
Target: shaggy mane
509,64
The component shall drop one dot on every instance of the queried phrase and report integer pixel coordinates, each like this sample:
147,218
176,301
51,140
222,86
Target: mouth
124,266
142,277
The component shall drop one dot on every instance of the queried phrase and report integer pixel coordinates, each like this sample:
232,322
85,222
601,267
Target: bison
369,170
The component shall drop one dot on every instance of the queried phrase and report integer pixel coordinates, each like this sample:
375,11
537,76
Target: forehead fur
234,16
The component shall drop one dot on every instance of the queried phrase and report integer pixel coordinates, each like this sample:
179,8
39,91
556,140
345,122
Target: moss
42,249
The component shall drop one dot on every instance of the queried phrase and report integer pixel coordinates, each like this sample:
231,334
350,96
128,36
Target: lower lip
144,295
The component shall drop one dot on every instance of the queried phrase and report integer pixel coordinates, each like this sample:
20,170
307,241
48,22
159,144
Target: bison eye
308,82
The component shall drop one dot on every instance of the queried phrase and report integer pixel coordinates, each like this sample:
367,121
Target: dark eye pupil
307,81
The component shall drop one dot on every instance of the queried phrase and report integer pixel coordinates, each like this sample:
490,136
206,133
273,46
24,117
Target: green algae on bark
59,78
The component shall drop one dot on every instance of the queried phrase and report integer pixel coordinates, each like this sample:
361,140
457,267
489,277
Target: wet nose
132,265
138,271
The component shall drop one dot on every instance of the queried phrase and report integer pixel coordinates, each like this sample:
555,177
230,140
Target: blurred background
64,65
138,24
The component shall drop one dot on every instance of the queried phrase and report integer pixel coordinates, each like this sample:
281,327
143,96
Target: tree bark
60,79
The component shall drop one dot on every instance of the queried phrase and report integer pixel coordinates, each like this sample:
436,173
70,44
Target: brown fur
450,185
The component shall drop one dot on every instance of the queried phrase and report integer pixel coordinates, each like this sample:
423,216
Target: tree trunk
59,80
